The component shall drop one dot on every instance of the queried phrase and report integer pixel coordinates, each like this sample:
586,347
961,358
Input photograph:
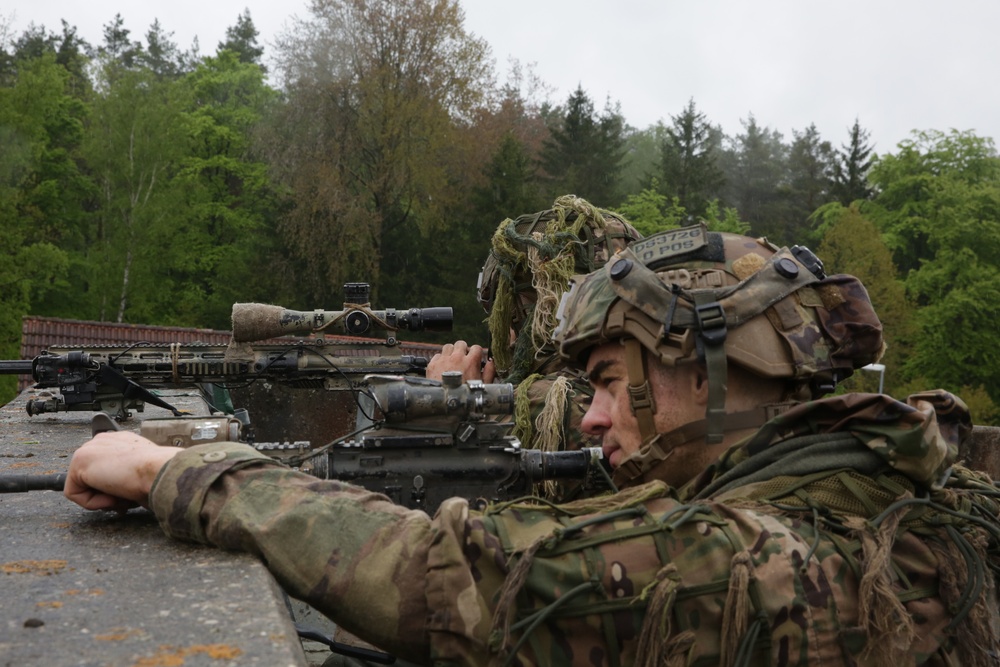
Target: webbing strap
640,395
641,287
656,450
711,343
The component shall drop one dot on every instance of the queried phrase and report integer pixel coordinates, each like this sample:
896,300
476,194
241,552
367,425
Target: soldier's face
610,414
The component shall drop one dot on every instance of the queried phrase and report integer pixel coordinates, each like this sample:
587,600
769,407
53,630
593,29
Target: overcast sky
895,65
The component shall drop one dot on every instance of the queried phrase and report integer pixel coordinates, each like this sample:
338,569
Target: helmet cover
530,264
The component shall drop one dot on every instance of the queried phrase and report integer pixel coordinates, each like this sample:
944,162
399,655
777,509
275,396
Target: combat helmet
692,296
531,261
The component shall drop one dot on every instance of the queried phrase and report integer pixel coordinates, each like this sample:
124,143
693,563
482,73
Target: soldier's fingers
95,500
489,372
115,471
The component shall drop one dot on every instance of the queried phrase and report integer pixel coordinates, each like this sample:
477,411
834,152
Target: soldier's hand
115,471
460,356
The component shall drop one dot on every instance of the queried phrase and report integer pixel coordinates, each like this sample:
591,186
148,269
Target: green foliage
651,212
957,343
585,153
726,219
938,207
134,145
229,229
851,167
984,410
688,161
39,127
852,244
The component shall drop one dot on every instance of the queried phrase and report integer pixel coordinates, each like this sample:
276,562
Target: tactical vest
834,567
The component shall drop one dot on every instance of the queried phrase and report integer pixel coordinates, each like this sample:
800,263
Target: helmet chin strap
654,454
657,448
712,330
640,394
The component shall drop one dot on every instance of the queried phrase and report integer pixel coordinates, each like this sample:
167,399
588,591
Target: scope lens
431,319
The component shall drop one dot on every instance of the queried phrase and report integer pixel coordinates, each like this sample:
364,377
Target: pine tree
810,164
117,46
757,179
161,56
241,39
688,164
850,173
585,152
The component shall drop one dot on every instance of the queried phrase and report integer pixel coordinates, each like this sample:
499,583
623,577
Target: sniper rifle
117,379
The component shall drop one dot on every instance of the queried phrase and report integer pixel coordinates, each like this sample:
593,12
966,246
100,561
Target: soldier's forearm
348,552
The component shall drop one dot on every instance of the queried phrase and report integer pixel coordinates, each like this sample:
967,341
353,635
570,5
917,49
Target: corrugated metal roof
41,333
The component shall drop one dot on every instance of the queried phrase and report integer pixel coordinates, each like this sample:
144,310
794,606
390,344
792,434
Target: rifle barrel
13,483
16,367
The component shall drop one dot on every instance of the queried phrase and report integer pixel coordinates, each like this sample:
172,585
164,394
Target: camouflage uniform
868,548
839,533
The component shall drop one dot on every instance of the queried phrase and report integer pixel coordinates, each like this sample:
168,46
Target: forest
144,183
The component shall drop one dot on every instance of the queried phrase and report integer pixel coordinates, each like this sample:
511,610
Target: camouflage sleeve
350,553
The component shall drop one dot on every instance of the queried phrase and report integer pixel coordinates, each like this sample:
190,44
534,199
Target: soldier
758,523
531,261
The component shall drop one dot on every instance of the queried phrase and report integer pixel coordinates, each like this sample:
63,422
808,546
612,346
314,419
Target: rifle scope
406,398
260,321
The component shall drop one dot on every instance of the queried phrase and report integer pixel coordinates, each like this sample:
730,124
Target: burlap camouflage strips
876,550
549,411
528,269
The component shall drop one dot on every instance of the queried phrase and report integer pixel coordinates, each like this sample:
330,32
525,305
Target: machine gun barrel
14,483
16,367
431,441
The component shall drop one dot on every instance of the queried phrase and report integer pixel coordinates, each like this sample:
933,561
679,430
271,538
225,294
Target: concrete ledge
86,588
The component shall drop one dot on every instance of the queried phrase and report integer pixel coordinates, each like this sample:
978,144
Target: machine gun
420,442
117,379
435,440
